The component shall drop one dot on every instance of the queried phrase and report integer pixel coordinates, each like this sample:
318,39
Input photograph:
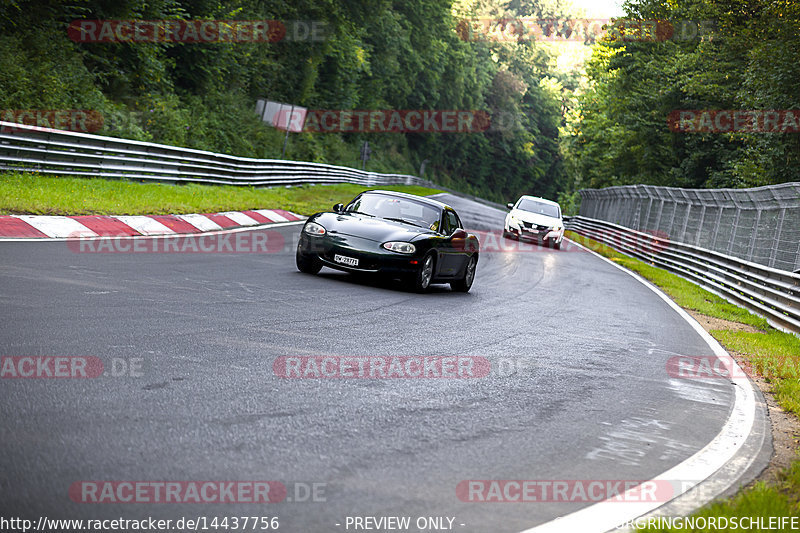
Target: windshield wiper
404,221
362,213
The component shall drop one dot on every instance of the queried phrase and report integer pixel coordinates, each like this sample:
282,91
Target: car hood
366,227
535,218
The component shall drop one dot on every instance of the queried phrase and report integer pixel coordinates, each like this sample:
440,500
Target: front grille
537,227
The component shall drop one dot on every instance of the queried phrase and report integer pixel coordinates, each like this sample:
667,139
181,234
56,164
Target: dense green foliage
749,61
383,54
377,54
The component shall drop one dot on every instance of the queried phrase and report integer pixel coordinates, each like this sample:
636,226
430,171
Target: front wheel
307,264
422,280
465,283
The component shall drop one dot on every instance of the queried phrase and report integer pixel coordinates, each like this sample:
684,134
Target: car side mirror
510,206
338,208
459,233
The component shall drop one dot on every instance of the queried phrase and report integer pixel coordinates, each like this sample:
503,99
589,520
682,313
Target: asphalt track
578,388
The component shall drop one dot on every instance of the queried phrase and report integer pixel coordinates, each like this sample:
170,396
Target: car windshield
541,208
396,208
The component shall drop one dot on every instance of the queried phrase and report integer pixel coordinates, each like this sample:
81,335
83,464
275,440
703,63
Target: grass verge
35,194
770,353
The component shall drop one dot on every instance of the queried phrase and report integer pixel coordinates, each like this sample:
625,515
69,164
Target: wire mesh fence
761,225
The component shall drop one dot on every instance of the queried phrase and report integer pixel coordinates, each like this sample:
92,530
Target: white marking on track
219,232
272,215
57,226
145,225
240,218
201,222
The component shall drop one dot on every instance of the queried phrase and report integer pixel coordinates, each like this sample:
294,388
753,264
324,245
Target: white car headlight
312,228
400,247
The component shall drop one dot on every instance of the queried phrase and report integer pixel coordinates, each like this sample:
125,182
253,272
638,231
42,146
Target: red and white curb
87,226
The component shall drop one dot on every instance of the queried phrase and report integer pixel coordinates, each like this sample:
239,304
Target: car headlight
312,228
400,247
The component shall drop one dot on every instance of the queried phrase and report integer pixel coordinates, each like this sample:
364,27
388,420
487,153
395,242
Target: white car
535,218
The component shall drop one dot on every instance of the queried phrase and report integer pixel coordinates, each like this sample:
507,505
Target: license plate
343,259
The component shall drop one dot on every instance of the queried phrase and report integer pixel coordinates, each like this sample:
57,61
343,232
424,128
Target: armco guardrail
31,148
771,293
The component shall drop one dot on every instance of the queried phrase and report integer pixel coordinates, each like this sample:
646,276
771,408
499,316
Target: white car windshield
540,208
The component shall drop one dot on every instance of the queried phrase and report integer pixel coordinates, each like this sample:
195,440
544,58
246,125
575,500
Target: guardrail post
642,196
685,224
631,207
729,251
797,258
751,248
647,214
700,225
618,210
774,250
675,205
658,217
713,245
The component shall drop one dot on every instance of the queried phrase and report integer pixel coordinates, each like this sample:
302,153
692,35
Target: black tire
465,283
307,264
423,277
